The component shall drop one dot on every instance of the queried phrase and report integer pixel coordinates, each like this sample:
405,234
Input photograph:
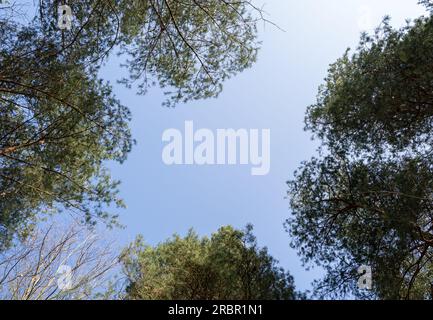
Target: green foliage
189,47
228,265
380,98
377,213
60,124
367,200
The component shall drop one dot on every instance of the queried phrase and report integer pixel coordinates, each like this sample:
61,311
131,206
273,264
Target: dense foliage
367,199
228,265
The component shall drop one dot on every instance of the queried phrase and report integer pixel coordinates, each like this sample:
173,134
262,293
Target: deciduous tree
57,262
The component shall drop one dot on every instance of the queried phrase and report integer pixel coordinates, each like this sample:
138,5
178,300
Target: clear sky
274,94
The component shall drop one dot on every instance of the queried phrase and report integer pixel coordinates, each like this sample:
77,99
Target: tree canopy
228,265
60,123
367,198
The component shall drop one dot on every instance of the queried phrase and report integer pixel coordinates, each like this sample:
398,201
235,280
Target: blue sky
274,94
